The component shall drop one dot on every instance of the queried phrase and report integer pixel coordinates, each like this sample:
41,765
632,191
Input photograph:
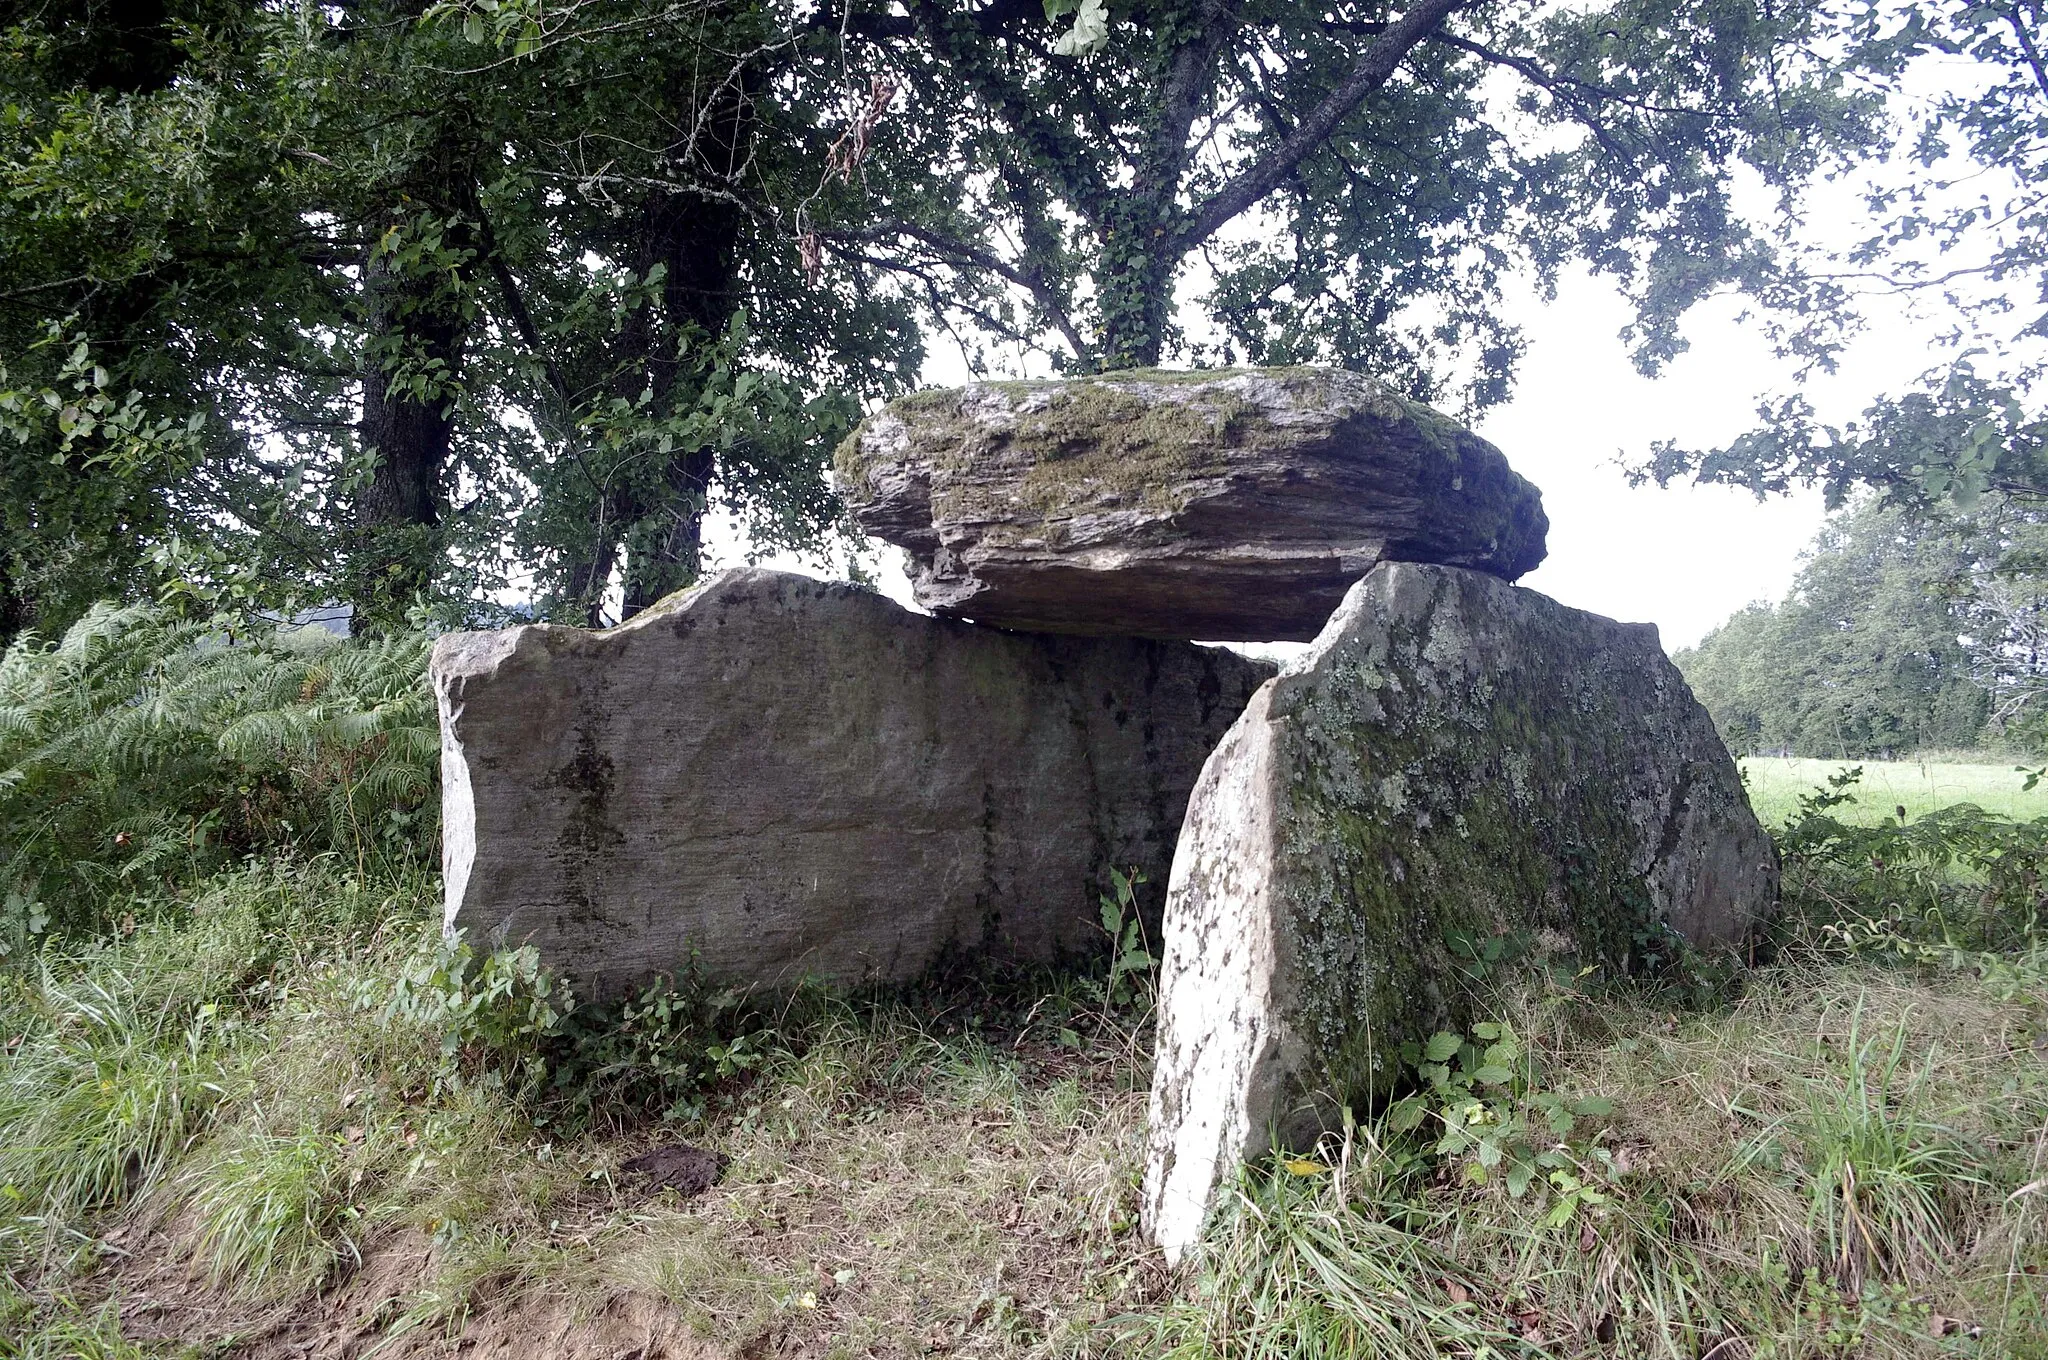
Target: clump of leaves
1484,1100
1958,877
661,1051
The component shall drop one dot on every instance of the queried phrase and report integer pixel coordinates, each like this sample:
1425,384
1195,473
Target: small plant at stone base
1485,1095
1482,957
1131,964
495,1015
661,1049
1128,987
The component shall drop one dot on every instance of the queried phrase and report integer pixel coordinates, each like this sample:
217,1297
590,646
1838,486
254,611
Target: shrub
1958,876
144,749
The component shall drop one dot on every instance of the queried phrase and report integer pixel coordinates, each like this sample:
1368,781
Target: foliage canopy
436,305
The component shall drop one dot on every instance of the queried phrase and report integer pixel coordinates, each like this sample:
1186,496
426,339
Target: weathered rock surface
1454,758
1237,505
787,777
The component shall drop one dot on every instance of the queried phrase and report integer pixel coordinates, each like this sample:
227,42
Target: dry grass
976,1213
887,1193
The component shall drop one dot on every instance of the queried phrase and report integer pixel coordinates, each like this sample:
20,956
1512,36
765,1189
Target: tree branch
1167,152
1537,76
965,252
2033,53
1374,67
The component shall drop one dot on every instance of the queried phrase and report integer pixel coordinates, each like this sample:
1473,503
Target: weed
1492,1116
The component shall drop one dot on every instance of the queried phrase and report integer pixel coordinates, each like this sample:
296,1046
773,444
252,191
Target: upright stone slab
1454,757
1234,504
785,777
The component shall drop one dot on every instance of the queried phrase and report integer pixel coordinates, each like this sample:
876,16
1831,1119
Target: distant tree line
1904,631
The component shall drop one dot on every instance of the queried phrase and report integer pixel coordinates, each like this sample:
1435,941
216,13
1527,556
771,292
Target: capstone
1454,759
779,777
1233,505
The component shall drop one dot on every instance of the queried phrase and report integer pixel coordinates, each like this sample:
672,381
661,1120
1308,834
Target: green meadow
1919,786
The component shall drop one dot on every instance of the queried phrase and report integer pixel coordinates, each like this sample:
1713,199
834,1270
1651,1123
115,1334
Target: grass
1825,1168
278,1106
1919,786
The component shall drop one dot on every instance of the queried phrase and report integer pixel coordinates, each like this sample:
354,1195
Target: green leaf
1089,34
1406,1114
1518,1178
1443,1047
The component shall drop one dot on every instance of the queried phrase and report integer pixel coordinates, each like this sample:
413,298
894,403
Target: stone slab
787,777
1234,504
1454,758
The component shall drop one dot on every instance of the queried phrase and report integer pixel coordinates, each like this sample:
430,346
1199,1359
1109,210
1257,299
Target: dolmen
775,777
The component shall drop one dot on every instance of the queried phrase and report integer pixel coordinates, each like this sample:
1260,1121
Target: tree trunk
697,238
415,332
1137,294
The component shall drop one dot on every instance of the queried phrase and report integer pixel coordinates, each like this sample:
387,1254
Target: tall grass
1838,1165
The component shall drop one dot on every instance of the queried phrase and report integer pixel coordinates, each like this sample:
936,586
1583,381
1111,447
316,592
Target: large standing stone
787,777
1455,757
1235,505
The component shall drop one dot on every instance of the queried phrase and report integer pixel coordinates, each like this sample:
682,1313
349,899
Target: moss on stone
1431,795
1022,460
848,462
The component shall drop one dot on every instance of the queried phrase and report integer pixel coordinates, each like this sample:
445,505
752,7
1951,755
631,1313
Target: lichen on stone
1486,795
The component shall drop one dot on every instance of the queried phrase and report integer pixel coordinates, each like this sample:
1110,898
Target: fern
143,748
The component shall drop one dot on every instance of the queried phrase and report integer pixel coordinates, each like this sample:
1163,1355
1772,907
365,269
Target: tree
1905,630
153,259
410,302
1393,179
1965,224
